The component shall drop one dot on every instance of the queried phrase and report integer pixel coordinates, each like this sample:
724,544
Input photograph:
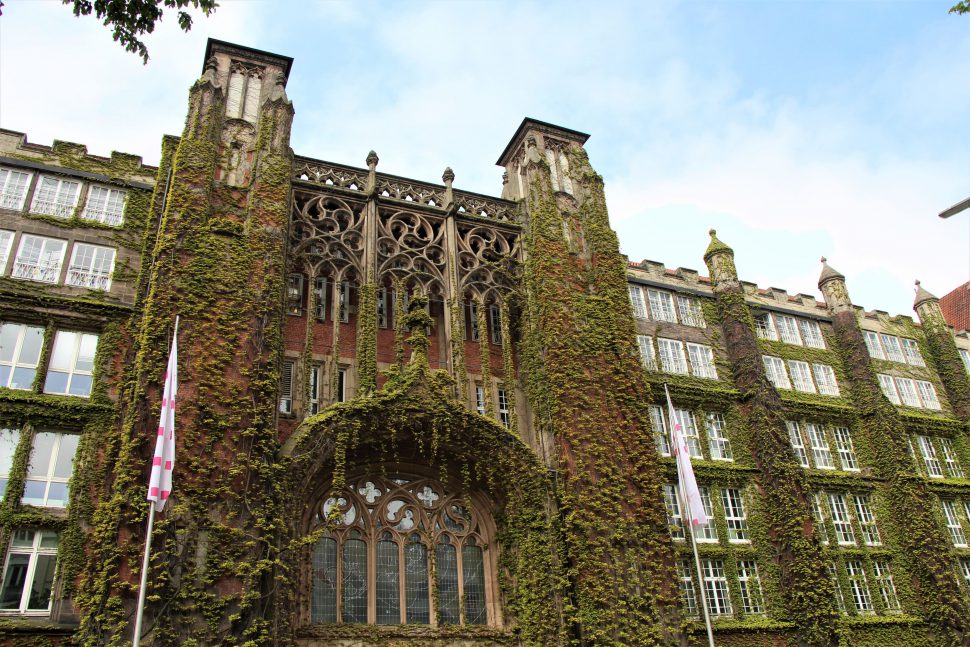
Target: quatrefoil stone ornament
427,496
369,492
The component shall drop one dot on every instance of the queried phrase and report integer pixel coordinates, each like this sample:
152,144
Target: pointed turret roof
828,273
716,246
922,296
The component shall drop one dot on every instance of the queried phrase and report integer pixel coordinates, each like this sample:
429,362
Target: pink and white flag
160,482
685,473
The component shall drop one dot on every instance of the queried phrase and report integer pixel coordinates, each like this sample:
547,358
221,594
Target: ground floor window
28,574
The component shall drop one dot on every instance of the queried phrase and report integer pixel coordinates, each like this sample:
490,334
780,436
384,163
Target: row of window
956,514
841,510
69,371
931,465
791,330
717,590
802,374
818,447
732,506
40,259
718,445
661,306
857,576
909,392
48,470
504,413
893,348
674,360
59,197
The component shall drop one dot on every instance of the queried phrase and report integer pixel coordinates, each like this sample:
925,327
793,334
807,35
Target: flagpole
690,525
136,639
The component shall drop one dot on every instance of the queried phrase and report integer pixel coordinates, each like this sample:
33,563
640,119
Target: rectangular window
846,449
691,313
801,376
890,344
775,372
495,320
341,395
382,318
928,451
687,421
636,301
39,259
344,302
796,442
811,333
907,391
788,329
717,439
242,100
873,345
820,519
734,515
687,592
702,361
821,453
71,369
91,267
50,469
8,445
825,379
859,586
927,393
660,435
13,188
471,320
286,387
889,388
885,584
750,586
965,356
839,598
965,569
706,534
294,294
672,359
911,350
480,399
105,205
647,355
716,588
953,523
841,520
661,306
28,575
672,504
20,348
950,458
316,374
6,242
55,196
867,520
765,328
503,408
320,298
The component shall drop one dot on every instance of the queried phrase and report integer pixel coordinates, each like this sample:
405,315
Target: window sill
381,633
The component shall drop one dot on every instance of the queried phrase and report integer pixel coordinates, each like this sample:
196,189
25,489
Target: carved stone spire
828,274
720,262
832,284
372,161
922,296
448,177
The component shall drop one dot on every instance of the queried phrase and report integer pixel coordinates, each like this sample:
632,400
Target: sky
796,129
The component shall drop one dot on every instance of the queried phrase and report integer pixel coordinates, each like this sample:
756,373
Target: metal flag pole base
136,639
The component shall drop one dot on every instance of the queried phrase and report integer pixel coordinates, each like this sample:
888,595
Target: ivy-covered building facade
414,415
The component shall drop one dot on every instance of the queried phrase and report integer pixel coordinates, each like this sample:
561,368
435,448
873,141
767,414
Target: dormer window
243,99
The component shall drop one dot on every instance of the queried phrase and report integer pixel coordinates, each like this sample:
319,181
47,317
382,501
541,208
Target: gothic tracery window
403,551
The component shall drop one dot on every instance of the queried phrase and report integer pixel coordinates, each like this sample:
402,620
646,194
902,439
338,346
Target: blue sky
796,129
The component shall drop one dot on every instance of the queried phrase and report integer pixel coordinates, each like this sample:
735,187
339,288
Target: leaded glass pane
388,584
354,581
416,598
323,606
473,570
447,567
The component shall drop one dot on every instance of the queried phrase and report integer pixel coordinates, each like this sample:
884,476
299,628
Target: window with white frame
788,329
872,344
764,327
859,586
927,393
775,372
9,438
839,598
344,296
911,351
797,444
661,306
717,439
691,313
91,267
867,520
846,449
672,359
749,585
892,347
660,435
242,99
706,533
825,379
702,361
734,515
495,321
801,376
885,585
716,588
647,354
965,569
480,399
105,205
6,242
28,574
907,391
928,451
20,348
13,188
888,387
316,380
636,301
675,521
953,523
689,424
39,259
687,591
383,320
821,453
286,387
55,196
841,520
341,394
811,333
320,298
471,319
965,356
503,408
820,518
950,458
50,469
71,368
